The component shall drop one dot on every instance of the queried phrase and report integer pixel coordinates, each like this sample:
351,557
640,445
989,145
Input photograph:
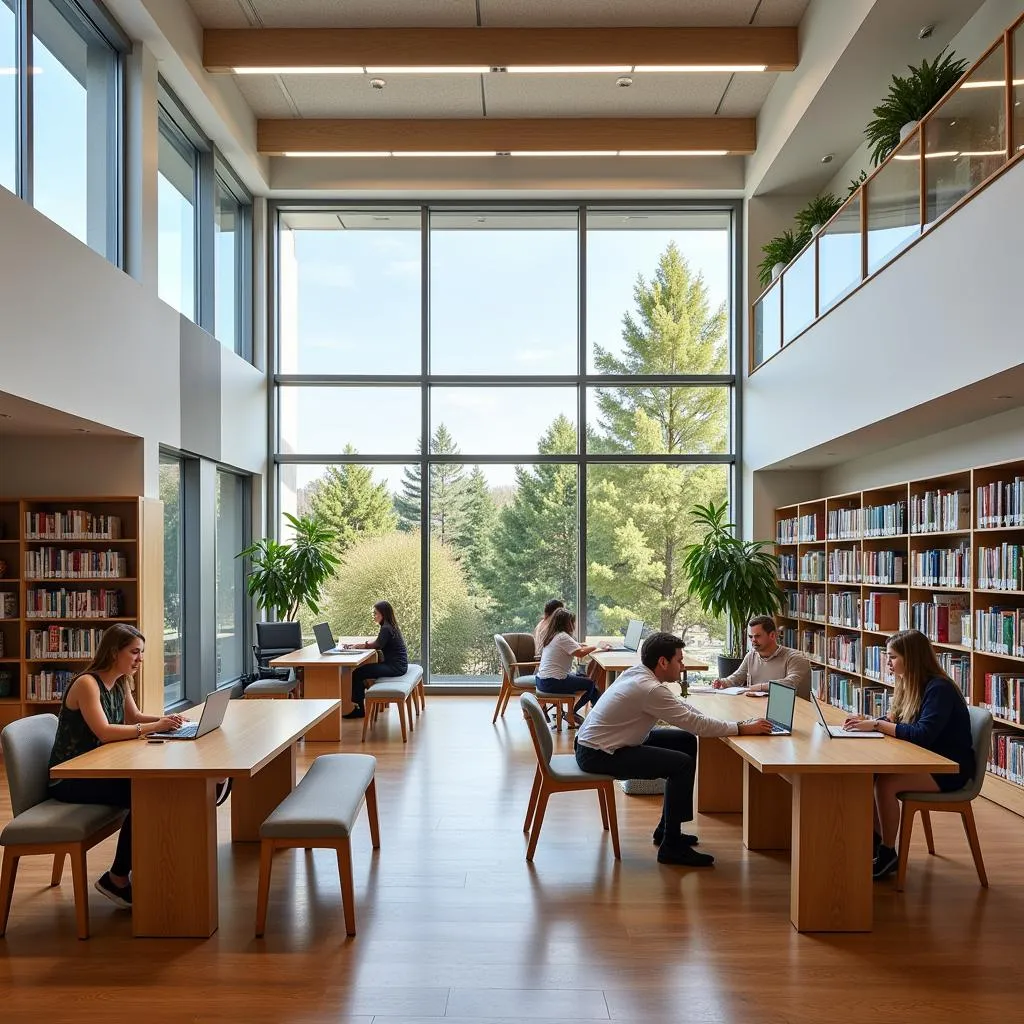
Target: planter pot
726,666
777,270
815,228
907,129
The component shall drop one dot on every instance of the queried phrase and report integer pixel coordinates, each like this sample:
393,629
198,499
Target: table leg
333,682
830,883
767,810
719,778
254,797
598,676
174,854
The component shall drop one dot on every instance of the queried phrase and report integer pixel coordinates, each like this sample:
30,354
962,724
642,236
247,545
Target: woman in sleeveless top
98,708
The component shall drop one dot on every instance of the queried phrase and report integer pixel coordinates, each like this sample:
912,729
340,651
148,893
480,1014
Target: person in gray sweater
768,661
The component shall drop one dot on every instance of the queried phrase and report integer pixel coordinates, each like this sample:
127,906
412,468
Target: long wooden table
809,794
607,664
174,819
326,676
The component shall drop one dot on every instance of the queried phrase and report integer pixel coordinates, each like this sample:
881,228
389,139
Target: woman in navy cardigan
928,709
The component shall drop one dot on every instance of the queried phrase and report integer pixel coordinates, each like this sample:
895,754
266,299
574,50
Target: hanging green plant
855,183
817,213
909,100
783,248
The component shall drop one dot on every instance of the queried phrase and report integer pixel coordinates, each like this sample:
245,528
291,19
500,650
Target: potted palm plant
778,252
735,578
909,99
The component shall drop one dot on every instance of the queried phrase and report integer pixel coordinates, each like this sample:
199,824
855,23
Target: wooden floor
455,925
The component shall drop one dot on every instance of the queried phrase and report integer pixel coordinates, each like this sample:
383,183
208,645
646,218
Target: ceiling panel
338,13
22,418
599,96
222,13
403,96
746,95
265,96
598,13
780,12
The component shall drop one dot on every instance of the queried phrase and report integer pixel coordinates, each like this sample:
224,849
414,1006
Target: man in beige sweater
768,661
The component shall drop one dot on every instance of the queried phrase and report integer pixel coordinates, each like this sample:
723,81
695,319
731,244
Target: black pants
669,754
115,793
572,683
364,672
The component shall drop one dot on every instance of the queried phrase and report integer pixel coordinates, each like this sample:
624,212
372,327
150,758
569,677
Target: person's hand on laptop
755,727
859,723
604,646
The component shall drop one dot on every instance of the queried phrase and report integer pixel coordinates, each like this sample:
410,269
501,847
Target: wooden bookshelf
63,579
955,539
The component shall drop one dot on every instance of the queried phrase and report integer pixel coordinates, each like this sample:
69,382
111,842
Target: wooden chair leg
80,880
604,810
422,693
8,873
967,816
409,714
534,793
907,812
613,818
926,821
401,719
58,868
538,820
367,714
348,889
504,703
263,886
371,813
558,718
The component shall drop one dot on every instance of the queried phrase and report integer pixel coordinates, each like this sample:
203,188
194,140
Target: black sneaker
686,856
885,863
356,712
684,837
876,842
120,896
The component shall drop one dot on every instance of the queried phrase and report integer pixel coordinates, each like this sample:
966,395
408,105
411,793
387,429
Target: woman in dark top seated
928,709
394,657
98,708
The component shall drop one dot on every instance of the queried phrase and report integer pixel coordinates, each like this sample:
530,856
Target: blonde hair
115,639
919,667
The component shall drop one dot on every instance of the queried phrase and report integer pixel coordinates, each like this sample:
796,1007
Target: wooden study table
174,817
607,664
326,675
809,794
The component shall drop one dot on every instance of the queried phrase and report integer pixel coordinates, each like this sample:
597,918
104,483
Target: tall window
178,162
519,404
173,497
8,96
231,519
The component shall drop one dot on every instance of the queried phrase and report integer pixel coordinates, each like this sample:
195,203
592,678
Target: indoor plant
287,577
909,100
782,249
817,213
731,577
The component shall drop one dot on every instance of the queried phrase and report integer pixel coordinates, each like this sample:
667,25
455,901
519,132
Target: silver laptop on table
325,639
781,708
211,718
631,641
837,732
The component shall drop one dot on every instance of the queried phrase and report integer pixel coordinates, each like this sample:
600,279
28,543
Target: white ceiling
19,417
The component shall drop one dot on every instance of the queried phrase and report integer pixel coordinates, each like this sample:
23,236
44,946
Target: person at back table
619,738
394,656
768,661
928,709
558,648
97,708
538,632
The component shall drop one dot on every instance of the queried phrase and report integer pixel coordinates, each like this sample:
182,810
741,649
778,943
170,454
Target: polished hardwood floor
454,925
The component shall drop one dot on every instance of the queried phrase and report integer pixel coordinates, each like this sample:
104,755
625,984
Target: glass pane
350,292
638,522
503,421
798,295
839,249
230,581
380,551
894,204
768,324
73,124
227,228
503,292
176,224
658,420
685,258
1018,88
965,138
336,420
8,96
503,541
174,579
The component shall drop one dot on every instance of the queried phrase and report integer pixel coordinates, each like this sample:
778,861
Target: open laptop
837,732
325,639
631,641
781,708
213,714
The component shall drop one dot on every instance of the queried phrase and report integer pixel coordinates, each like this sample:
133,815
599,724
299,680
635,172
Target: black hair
658,646
552,606
387,613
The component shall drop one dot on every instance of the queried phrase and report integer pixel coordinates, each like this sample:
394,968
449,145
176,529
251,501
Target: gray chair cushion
396,686
272,686
981,741
326,801
52,821
525,682
564,768
27,744
538,726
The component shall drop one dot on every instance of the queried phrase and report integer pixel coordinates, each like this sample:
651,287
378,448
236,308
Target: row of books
8,604
812,643
75,524
41,603
883,567
885,612
1000,503
787,530
844,652
1004,696
811,604
940,510
845,524
787,636
941,567
63,564
940,619
885,520
48,685
808,529
787,567
1001,568
62,642
812,566
844,565
1000,631
852,695
875,665
844,608
958,668
791,603
1007,756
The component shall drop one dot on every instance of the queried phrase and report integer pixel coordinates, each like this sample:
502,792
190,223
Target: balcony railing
972,135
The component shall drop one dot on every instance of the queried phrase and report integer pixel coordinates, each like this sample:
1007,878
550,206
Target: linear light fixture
569,69
518,69
429,69
441,152
323,70
988,84
430,154
673,152
672,69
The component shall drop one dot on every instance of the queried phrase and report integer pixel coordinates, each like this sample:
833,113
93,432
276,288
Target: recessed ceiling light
6,416
83,430
377,83
624,82
828,158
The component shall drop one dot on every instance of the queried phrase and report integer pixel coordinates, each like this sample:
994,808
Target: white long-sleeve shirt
634,704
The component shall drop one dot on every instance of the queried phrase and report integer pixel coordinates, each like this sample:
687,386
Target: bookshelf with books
943,554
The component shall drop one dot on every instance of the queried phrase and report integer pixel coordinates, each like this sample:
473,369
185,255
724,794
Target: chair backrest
27,744
276,638
538,729
508,659
523,646
981,740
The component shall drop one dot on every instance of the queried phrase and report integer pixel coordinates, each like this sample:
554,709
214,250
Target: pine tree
447,492
475,540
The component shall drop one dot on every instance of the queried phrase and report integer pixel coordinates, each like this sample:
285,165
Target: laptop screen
324,636
634,631
781,704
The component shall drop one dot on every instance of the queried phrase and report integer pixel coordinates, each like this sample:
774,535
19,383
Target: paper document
731,689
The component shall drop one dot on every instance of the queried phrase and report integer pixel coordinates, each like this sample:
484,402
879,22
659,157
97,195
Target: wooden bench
406,691
319,814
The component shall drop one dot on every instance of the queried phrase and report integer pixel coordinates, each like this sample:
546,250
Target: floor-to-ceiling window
495,406
231,536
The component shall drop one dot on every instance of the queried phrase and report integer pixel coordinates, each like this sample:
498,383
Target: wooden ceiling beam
227,49
308,135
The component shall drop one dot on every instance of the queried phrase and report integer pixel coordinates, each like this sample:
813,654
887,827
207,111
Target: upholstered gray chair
958,801
516,651
559,773
272,640
42,825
